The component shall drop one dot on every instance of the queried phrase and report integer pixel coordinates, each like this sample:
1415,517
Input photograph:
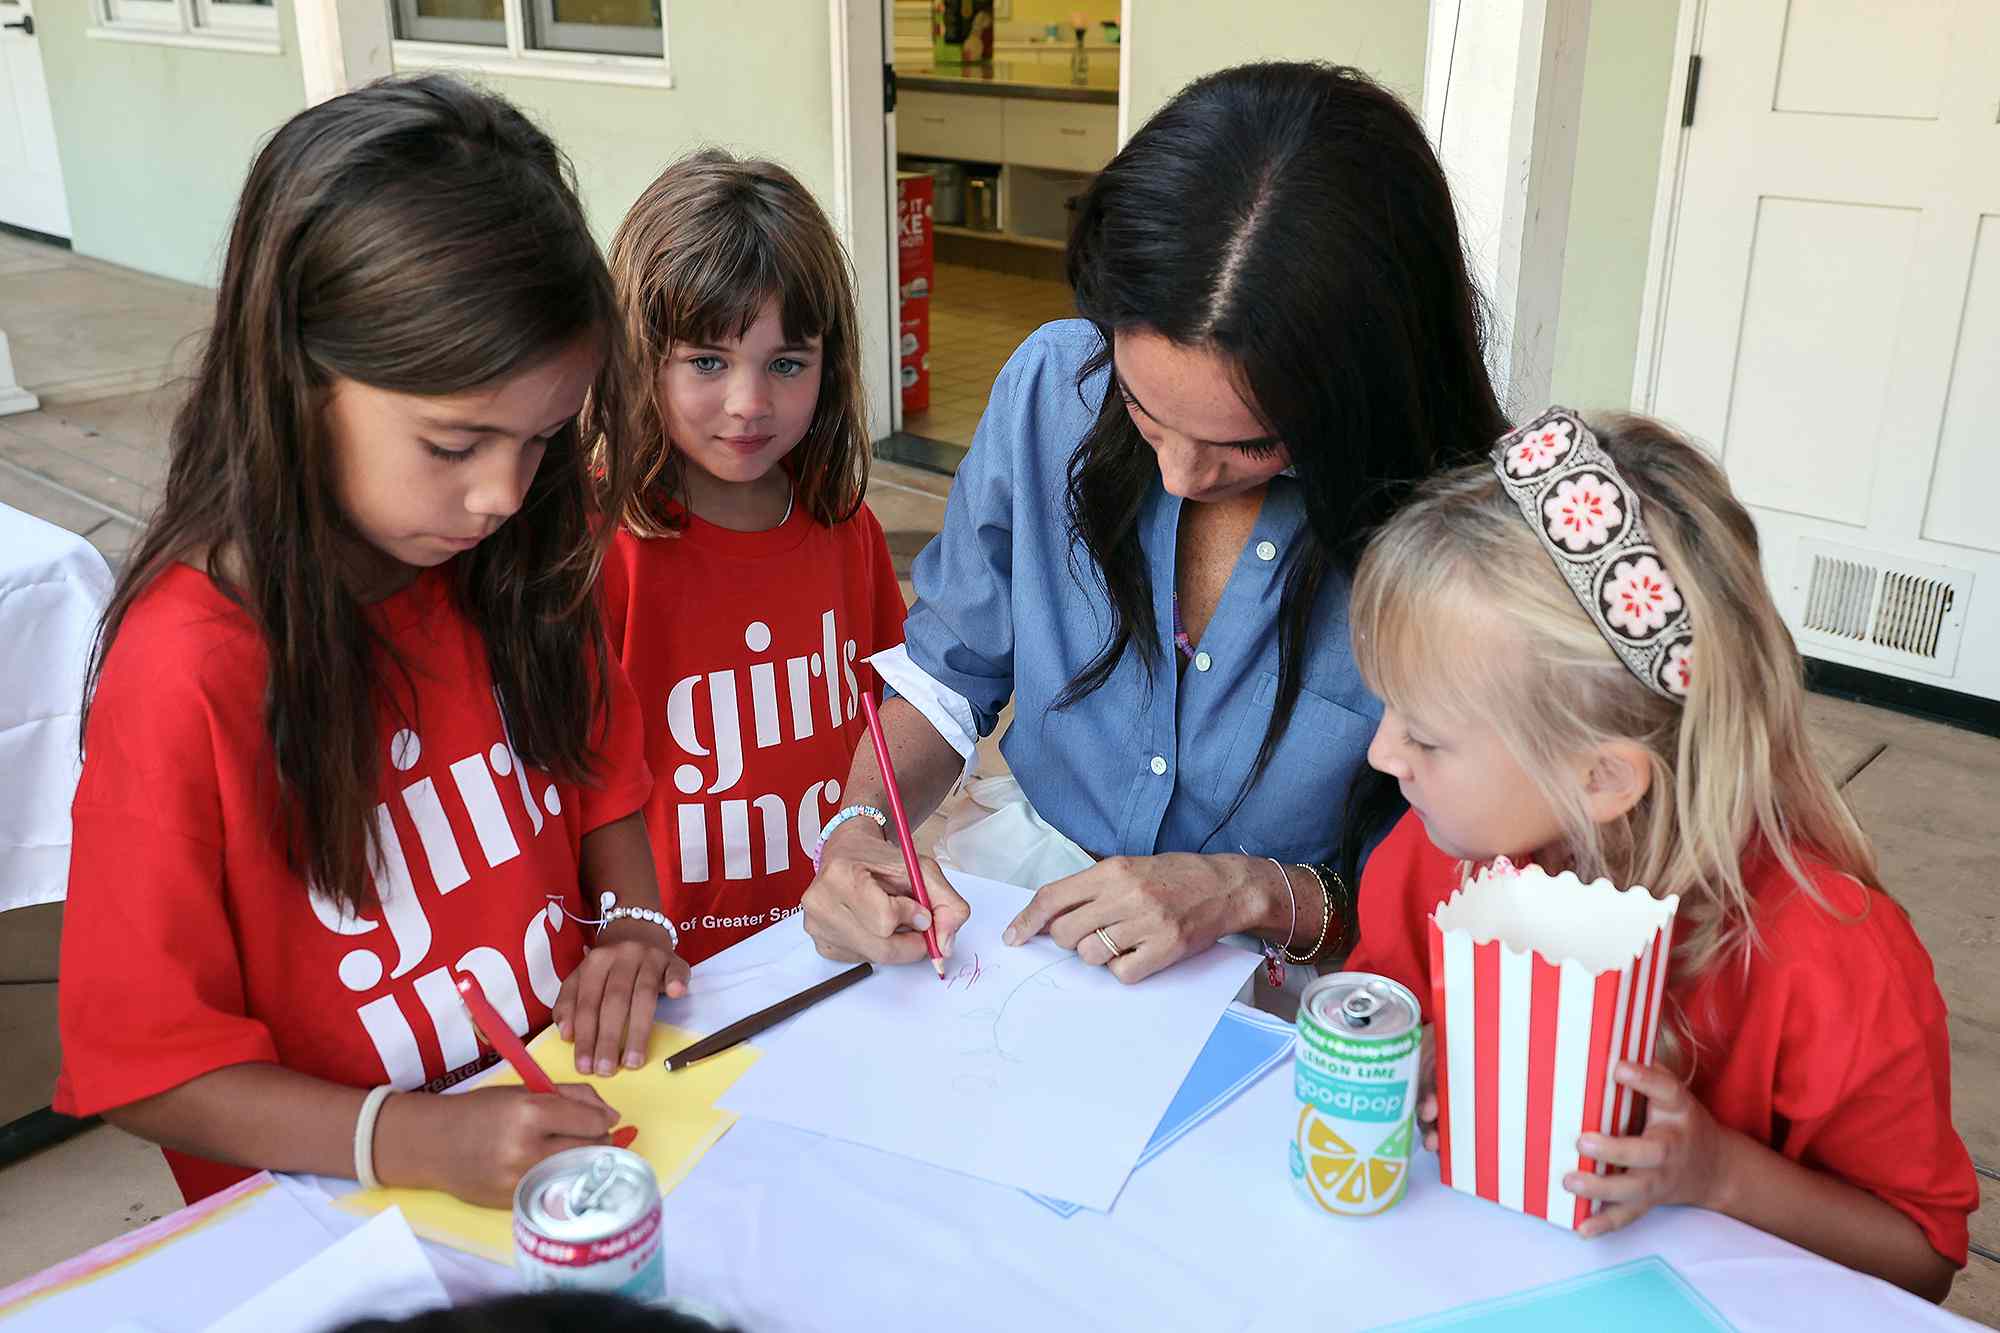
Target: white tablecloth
53,587
777,1229
780,1230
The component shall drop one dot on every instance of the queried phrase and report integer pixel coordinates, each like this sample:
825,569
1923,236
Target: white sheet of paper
751,974
267,1233
375,1271
1043,1072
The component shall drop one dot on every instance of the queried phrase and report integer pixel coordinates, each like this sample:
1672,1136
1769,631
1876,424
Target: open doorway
1005,109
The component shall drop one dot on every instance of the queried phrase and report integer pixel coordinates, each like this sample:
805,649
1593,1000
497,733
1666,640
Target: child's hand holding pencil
477,1145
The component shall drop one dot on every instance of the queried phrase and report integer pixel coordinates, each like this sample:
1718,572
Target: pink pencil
902,827
502,1039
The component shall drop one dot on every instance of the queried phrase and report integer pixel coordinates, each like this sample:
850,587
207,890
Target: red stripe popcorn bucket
1540,984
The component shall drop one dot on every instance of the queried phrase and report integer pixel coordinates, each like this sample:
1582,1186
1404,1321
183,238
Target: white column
13,398
1503,80
862,205
342,45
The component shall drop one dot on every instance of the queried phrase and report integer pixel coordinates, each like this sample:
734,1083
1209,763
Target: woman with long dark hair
1148,547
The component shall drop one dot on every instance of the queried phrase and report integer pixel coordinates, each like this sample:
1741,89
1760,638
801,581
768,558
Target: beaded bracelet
643,914
1321,873
841,817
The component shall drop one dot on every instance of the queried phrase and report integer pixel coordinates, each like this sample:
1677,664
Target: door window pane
468,22
610,27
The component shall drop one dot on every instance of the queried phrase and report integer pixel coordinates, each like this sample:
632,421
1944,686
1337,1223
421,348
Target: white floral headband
1588,520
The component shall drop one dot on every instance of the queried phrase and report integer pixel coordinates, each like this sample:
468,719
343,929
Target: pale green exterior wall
155,140
1173,42
1628,67
752,79
1627,71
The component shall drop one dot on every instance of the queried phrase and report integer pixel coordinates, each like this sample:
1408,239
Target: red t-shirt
748,653
1830,1046
189,944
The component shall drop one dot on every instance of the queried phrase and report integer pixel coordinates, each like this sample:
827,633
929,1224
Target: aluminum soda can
1355,1072
589,1219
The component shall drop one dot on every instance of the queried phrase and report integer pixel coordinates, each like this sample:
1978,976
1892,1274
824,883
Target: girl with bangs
1582,667
353,732
747,583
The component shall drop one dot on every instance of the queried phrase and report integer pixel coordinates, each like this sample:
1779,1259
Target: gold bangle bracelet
1325,920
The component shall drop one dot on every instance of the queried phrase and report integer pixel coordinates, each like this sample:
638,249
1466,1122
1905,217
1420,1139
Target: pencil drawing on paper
968,974
1001,1033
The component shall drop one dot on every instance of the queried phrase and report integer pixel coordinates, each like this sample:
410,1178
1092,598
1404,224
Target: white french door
1829,316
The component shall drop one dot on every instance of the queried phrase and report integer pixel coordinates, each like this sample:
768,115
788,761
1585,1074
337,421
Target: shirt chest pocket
1297,805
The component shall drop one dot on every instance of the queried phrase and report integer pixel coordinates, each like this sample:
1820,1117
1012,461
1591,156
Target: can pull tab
588,1188
1360,1008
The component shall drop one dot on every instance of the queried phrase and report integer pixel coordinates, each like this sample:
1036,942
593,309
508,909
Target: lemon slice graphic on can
1328,1157
1376,1181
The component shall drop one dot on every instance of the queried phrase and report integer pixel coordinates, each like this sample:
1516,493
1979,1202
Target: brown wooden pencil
745,1028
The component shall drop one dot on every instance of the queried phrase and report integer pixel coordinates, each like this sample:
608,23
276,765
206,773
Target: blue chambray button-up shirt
1008,606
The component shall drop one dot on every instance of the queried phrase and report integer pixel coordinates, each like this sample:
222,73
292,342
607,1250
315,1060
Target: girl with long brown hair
353,732
748,583
1581,666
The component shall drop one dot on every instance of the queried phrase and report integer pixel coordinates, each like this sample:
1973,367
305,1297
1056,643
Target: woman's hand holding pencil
861,908
865,903
912,863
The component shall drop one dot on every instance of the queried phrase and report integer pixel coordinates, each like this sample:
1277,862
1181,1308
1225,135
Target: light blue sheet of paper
1646,1293
1246,1043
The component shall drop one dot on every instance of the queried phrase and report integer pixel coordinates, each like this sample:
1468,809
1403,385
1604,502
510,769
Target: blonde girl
1582,667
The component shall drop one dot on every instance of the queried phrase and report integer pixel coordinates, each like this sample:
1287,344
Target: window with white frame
223,20
630,28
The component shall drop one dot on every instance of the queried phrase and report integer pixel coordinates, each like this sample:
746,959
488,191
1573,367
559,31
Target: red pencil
502,1039
910,862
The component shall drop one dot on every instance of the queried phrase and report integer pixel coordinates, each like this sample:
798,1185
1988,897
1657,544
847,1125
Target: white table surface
53,587
778,1229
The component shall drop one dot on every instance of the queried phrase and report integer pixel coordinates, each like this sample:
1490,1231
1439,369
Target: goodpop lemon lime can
1355,1071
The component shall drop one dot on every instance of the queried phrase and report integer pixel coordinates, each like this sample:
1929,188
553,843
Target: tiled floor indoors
84,334
978,318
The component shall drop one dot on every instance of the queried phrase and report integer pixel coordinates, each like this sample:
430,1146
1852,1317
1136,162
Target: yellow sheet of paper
675,1113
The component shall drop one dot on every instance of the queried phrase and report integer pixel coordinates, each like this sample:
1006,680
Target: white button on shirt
1159,765
1202,661
1267,551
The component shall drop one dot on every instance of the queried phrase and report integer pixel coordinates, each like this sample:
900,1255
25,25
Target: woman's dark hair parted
423,237
1292,217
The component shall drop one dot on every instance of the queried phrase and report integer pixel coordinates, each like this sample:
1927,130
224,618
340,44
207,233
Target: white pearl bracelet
645,914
